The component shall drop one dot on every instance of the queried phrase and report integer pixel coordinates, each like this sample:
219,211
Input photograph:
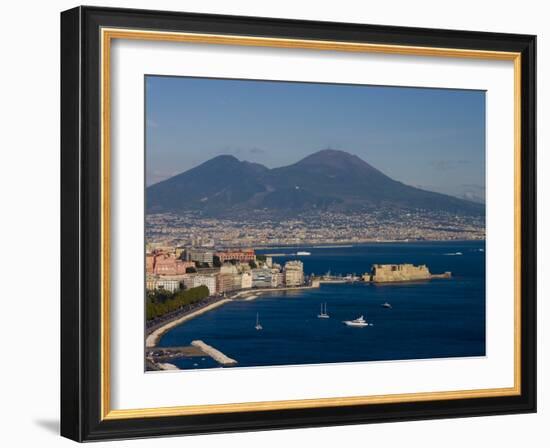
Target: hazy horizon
428,138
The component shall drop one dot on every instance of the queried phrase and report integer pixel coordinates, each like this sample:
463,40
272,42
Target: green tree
158,303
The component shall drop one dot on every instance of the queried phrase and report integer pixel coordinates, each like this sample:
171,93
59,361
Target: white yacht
359,322
323,314
258,326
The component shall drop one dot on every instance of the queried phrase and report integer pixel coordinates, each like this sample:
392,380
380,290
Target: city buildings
166,264
277,277
307,228
246,280
261,278
294,273
164,270
200,255
229,278
240,255
153,282
195,280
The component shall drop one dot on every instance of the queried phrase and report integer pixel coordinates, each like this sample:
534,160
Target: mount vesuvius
326,180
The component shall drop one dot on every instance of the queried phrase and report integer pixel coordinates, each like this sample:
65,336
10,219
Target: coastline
214,331
246,295
348,244
152,339
252,294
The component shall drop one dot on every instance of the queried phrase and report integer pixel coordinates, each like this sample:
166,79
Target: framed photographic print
273,223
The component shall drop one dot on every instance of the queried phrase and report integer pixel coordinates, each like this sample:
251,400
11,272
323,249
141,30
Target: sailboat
258,326
324,314
359,322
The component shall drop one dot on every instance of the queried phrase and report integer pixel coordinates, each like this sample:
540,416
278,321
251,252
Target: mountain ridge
328,179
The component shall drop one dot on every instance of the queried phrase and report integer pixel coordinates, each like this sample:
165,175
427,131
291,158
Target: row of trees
160,302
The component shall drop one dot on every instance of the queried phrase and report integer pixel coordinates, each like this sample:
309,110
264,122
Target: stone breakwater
214,353
167,366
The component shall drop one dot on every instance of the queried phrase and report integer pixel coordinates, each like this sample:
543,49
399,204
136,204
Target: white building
277,278
195,280
246,280
294,273
261,278
171,285
200,255
228,268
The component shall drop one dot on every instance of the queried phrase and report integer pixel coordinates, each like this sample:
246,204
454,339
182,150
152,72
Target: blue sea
432,319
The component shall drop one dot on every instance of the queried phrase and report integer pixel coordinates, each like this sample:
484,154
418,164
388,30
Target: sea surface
432,319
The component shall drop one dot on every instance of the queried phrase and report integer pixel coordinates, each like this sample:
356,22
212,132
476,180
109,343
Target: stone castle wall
399,273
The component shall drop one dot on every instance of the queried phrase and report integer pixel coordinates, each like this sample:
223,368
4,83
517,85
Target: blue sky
431,138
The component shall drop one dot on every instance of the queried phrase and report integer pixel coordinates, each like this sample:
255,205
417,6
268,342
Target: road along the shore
153,338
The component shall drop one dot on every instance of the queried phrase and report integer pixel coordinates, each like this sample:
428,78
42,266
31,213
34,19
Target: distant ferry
303,253
359,322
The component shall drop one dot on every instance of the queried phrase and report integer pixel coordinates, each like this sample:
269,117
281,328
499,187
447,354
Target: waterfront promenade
155,332
152,339
156,329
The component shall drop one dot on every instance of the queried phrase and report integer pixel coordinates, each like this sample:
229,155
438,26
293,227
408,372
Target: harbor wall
214,353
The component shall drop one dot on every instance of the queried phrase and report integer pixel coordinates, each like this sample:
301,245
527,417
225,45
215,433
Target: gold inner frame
107,35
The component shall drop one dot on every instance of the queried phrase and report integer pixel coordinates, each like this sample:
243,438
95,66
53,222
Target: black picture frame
81,224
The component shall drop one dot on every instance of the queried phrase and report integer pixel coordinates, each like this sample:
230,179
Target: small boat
303,253
324,314
359,322
386,305
258,326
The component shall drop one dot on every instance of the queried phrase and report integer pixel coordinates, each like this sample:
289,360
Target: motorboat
386,305
359,322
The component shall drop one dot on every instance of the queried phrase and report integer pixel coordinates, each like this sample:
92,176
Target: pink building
149,263
166,264
242,255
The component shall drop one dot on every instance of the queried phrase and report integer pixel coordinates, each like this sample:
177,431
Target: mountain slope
326,180
218,183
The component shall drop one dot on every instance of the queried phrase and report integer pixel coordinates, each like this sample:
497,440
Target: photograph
294,221
299,223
